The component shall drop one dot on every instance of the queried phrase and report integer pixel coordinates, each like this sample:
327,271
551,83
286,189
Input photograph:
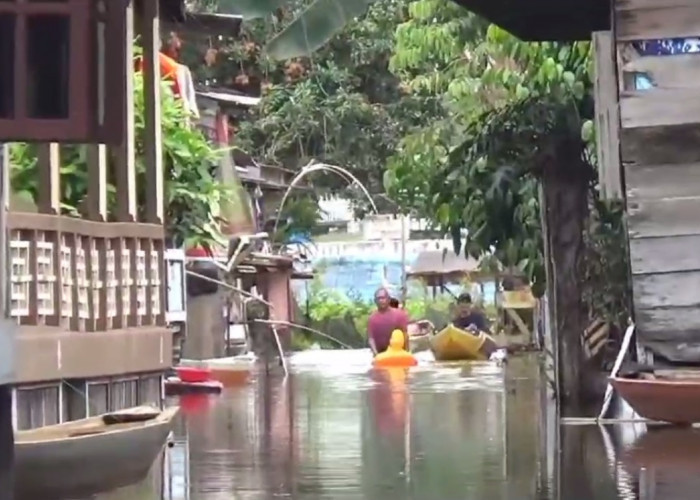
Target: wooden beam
657,182
664,217
667,290
607,116
153,139
665,255
660,145
125,155
651,19
49,166
659,107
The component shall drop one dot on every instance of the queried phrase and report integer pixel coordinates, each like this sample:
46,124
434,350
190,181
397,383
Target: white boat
84,457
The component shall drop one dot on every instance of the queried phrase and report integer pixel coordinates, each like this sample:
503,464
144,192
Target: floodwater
335,430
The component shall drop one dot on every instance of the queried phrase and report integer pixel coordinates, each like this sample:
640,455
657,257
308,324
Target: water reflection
342,431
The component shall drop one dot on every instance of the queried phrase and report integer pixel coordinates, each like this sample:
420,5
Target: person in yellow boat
395,355
468,317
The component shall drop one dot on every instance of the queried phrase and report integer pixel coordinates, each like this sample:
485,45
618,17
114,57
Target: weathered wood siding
660,153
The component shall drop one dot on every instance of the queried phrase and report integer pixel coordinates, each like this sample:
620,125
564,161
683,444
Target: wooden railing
85,276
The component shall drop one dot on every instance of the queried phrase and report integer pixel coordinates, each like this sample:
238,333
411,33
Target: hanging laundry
187,93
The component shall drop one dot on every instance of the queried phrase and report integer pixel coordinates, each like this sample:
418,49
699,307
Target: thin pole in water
404,291
616,368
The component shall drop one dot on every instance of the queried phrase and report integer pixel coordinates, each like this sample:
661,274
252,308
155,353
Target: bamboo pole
616,368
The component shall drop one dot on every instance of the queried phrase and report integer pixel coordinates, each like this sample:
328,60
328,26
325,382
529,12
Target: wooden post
153,147
97,211
97,182
152,139
6,431
124,155
607,116
49,179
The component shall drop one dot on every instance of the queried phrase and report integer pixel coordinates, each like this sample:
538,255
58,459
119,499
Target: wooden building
88,293
648,98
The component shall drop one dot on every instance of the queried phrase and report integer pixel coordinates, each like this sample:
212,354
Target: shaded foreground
335,431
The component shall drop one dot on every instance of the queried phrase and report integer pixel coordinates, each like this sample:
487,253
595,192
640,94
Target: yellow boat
455,344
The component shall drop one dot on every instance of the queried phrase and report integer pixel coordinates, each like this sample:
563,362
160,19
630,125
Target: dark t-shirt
476,318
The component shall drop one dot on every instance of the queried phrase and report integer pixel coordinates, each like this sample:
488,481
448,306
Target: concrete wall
206,327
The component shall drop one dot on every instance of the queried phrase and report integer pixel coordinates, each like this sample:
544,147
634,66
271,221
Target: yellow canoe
454,344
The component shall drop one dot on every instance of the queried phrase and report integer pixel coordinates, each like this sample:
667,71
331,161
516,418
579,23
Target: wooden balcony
88,292
89,296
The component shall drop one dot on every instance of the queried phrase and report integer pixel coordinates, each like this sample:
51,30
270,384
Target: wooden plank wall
660,152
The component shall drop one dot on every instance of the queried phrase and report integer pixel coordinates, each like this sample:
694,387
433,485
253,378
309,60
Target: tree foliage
509,104
342,105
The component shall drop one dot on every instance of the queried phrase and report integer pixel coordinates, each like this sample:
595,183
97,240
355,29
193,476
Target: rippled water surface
336,430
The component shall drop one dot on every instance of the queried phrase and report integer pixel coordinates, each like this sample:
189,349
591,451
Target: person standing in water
384,321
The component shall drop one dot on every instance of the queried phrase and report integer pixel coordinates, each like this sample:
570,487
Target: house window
53,56
7,65
74,404
123,394
37,407
48,66
150,390
98,398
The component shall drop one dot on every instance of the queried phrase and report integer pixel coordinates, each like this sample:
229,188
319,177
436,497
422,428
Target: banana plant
311,30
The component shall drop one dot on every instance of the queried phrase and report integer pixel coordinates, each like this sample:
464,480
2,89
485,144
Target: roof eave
545,20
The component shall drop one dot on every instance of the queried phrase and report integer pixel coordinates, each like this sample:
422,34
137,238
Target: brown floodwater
335,430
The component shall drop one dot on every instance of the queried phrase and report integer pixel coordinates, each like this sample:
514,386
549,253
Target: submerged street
335,430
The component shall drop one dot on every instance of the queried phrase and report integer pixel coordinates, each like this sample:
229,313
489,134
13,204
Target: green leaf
389,180
443,214
315,27
249,9
587,131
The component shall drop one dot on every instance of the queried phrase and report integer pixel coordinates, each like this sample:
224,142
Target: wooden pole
404,290
6,428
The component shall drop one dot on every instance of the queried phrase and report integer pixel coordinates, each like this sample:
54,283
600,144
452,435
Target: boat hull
675,401
419,343
453,344
176,387
84,465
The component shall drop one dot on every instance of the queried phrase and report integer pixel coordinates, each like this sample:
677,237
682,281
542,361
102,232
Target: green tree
341,106
514,156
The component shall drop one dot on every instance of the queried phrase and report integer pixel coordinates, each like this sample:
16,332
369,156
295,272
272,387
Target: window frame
81,125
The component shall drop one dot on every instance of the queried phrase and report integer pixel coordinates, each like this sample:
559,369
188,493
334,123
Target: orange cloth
168,70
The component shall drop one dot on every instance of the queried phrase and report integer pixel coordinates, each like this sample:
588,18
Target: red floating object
192,374
192,404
